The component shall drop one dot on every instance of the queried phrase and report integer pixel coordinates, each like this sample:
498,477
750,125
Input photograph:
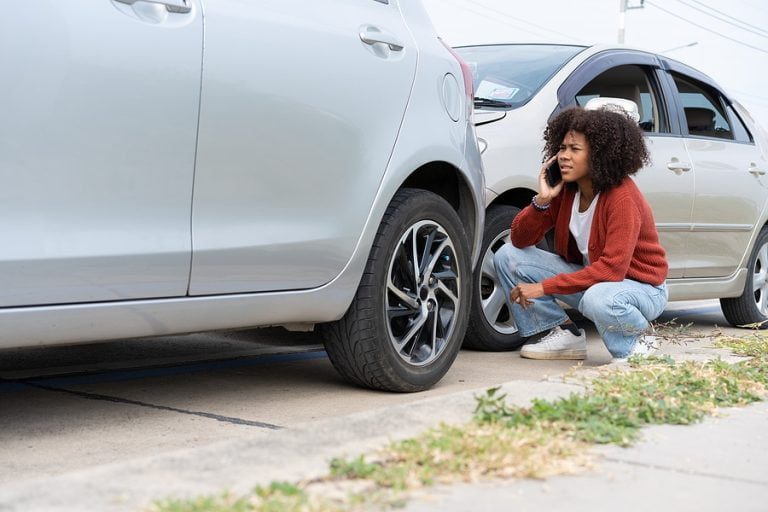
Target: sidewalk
721,463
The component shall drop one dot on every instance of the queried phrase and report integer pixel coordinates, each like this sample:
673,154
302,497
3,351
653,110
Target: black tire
493,328
362,346
751,307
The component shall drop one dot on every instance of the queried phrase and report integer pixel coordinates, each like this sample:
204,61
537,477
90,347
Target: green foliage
619,403
355,468
222,503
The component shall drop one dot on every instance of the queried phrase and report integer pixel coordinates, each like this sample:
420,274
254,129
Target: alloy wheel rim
760,280
493,300
422,294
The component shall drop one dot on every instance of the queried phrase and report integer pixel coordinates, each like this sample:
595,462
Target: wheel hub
422,295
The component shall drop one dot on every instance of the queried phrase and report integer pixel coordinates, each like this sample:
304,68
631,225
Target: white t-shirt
581,224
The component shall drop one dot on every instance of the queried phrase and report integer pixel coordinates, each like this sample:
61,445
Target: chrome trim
673,227
701,228
721,227
174,6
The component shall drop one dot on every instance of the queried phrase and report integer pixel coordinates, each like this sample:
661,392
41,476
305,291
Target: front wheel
408,318
492,326
751,307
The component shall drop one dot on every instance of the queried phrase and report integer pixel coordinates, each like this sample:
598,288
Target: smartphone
553,174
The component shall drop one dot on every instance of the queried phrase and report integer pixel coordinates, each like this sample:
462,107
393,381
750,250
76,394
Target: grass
548,437
655,391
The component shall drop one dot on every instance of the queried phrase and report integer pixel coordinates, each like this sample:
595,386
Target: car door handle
678,167
373,35
174,6
754,171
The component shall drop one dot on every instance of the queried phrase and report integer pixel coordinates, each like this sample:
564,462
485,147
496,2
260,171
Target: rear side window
507,76
704,109
630,82
740,131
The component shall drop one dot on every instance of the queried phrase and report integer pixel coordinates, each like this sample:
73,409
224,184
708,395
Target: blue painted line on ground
166,371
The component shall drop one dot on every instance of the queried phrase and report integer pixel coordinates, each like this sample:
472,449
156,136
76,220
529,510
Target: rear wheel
408,318
751,307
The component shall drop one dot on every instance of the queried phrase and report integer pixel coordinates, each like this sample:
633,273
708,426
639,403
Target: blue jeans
621,310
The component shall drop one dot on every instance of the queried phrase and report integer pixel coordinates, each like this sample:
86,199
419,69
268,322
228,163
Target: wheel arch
519,196
445,180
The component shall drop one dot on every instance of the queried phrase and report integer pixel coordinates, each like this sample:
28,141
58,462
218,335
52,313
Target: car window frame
670,66
601,62
719,102
735,118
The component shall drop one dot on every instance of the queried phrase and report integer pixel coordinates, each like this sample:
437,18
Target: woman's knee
505,260
597,299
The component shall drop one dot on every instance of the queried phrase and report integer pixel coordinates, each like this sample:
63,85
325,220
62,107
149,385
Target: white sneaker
645,345
558,344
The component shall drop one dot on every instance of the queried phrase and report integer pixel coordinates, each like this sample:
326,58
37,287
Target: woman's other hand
524,293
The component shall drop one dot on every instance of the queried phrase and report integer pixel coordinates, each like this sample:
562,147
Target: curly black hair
616,144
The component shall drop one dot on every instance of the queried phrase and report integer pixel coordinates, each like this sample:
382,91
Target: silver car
707,183
283,163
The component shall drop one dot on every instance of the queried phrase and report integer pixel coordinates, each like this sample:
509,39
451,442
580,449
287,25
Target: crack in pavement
115,399
686,471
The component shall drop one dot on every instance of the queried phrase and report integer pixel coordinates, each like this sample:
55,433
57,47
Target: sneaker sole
560,354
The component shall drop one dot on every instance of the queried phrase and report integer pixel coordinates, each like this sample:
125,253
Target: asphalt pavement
704,467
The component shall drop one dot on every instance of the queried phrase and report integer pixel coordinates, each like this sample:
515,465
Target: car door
668,182
731,186
301,106
97,142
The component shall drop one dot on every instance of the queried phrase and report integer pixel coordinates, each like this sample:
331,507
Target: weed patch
619,403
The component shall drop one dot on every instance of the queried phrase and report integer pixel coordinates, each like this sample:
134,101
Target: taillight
466,71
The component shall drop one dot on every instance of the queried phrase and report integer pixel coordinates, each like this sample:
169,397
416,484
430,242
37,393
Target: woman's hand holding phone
548,191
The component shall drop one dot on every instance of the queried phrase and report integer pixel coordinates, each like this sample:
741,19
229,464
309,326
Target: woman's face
573,157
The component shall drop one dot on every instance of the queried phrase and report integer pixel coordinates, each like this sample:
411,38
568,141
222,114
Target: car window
740,132
704,109
630,82
511,74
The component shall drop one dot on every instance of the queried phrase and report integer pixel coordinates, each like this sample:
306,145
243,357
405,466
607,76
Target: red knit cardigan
623,241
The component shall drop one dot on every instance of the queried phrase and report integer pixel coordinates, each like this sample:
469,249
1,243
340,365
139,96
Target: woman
609,263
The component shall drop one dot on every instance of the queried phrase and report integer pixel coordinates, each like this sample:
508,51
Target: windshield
507,76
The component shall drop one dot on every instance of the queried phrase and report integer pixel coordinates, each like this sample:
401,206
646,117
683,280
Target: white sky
742,71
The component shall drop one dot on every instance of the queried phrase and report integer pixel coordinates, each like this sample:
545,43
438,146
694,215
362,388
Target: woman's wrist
539,203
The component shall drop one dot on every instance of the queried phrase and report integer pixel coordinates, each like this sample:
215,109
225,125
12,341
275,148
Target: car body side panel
728,204
97,144
295,136
670,194
427,135
729,200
